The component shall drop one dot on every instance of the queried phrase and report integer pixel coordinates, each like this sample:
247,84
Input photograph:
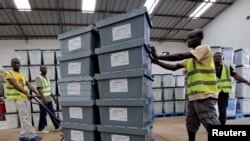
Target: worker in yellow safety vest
224,73
16,90
44,89
202,89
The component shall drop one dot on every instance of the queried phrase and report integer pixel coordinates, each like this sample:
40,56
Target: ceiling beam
217,2
179,16
164,28
59,16
14,21
104,12
44,24
10,37
73,24
13,37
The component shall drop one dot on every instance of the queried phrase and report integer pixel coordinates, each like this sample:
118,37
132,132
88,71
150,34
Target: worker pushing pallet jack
16,90
51,113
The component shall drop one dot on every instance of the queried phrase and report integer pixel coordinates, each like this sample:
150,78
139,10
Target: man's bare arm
176,56
17,87
172,57
241,79
172,67
32,88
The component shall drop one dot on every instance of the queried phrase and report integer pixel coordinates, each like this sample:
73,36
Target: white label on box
119,59
118,114
118,85
74,43
121,32
115,137
75,112
74,88
77,135
74,68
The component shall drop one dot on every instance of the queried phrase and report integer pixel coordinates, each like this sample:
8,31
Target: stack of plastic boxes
125,82
35,61
180,94
49,59
174,92
168,83
242,61
169,94
157,94
77,87
228,55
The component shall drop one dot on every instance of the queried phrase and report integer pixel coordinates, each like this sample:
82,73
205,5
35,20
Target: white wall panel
230,28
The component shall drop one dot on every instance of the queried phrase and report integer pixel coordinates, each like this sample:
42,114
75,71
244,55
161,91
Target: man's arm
172,57
176,56
17,87
241,79
32,88
172,67
54,98
39,89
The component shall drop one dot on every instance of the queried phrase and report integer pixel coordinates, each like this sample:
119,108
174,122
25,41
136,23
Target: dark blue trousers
222,106
43,114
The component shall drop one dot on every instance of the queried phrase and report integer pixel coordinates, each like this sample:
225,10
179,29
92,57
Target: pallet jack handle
45,107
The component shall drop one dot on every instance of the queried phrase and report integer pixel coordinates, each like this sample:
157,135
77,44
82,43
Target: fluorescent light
201,8
88,6
151,4
22,5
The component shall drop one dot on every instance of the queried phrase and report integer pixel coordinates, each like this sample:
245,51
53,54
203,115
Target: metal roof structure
49,18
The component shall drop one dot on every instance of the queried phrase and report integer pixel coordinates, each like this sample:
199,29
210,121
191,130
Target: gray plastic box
26,71
34,71
124,84
125,112
131,25
78,40
22,55
127,55
35,56
81,111
48,56
80,132
83,86
119,133
78,64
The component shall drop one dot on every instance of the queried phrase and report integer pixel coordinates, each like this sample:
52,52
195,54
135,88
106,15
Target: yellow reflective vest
12,93
225,83
46,89
201,79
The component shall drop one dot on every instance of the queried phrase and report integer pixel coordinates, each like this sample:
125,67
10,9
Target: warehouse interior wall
231,28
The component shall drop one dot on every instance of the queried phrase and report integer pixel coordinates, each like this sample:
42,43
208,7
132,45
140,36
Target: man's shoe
35,138
21,138
58,129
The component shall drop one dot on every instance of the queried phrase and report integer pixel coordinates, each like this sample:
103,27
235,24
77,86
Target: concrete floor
165,129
